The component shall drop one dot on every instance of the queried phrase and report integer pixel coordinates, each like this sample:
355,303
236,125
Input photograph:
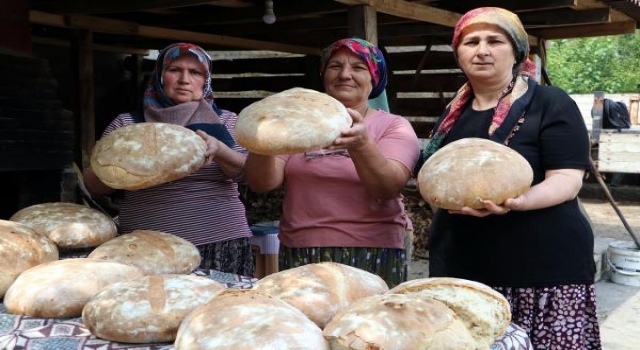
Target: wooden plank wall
421,84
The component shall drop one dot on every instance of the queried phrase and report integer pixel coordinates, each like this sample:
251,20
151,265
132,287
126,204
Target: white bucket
624,259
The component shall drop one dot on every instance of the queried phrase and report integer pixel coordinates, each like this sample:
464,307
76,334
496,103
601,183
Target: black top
536,248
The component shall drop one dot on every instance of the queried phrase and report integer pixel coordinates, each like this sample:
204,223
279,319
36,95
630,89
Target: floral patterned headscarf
154,95
520,90
369,53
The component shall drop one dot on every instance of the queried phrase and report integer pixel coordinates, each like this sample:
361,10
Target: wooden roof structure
306,26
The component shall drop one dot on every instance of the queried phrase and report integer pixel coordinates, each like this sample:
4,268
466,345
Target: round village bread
292,121
397,322
154,252
69,225
61,288
320,290
484,311
468,171
248,320
147,309
22,247
142,155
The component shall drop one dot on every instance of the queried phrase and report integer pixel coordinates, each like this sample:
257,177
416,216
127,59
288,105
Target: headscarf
369,53
515,98
154,95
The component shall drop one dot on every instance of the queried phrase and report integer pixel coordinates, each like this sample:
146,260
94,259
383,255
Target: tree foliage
606,63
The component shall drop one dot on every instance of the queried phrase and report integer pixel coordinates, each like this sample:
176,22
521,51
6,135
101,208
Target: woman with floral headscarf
203,207
343,203
536,249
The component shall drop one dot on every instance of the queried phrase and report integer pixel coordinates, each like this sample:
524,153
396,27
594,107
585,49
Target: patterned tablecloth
29,333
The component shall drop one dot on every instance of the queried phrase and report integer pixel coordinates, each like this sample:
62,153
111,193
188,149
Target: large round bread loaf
147,154
22,247
468,171
397,322
62,288
484,311
292,121
248,320
154,252
320,290
147,309
69,225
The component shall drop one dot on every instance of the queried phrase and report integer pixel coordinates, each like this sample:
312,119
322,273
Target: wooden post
596,115
633,108
363,23
86,118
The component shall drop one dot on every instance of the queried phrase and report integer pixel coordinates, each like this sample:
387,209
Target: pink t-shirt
326,205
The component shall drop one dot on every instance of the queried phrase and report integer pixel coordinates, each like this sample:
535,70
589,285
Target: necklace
365,112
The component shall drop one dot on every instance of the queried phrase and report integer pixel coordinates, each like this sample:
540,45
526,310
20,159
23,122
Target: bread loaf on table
147,309
61,288
21,247
484,311
142,155
248,320
292,121
154,252
397,322
320,290
69,225
467,171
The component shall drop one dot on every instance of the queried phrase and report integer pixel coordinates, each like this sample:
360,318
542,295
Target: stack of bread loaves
21,247
428,314
320,290
468,171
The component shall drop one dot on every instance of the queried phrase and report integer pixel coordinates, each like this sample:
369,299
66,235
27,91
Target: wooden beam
97,47
363,23
112,6
105,25
560,18
86,92
407,9
613,28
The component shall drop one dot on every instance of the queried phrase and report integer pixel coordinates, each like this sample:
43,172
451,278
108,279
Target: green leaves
607,63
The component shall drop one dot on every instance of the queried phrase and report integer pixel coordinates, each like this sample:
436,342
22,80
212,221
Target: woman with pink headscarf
345,204
536,249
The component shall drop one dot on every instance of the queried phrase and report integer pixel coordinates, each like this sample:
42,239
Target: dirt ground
605,222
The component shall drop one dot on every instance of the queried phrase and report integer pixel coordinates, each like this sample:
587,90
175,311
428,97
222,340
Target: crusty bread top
468,171
22,247
61,288
250,320
142,155
484,311
293,121
320,290
147,309
69,225
154,252
397,321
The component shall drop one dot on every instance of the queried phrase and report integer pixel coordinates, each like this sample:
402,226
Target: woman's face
346,78
183,79
485,52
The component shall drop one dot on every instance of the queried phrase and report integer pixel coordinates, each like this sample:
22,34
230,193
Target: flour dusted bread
485,312
248,320
147,309
61,288
154,252
397,322
22,247
468,171
142,155
292,121
320,290
69,225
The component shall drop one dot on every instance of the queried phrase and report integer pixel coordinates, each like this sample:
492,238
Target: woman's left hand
490,208
213,146
355,137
